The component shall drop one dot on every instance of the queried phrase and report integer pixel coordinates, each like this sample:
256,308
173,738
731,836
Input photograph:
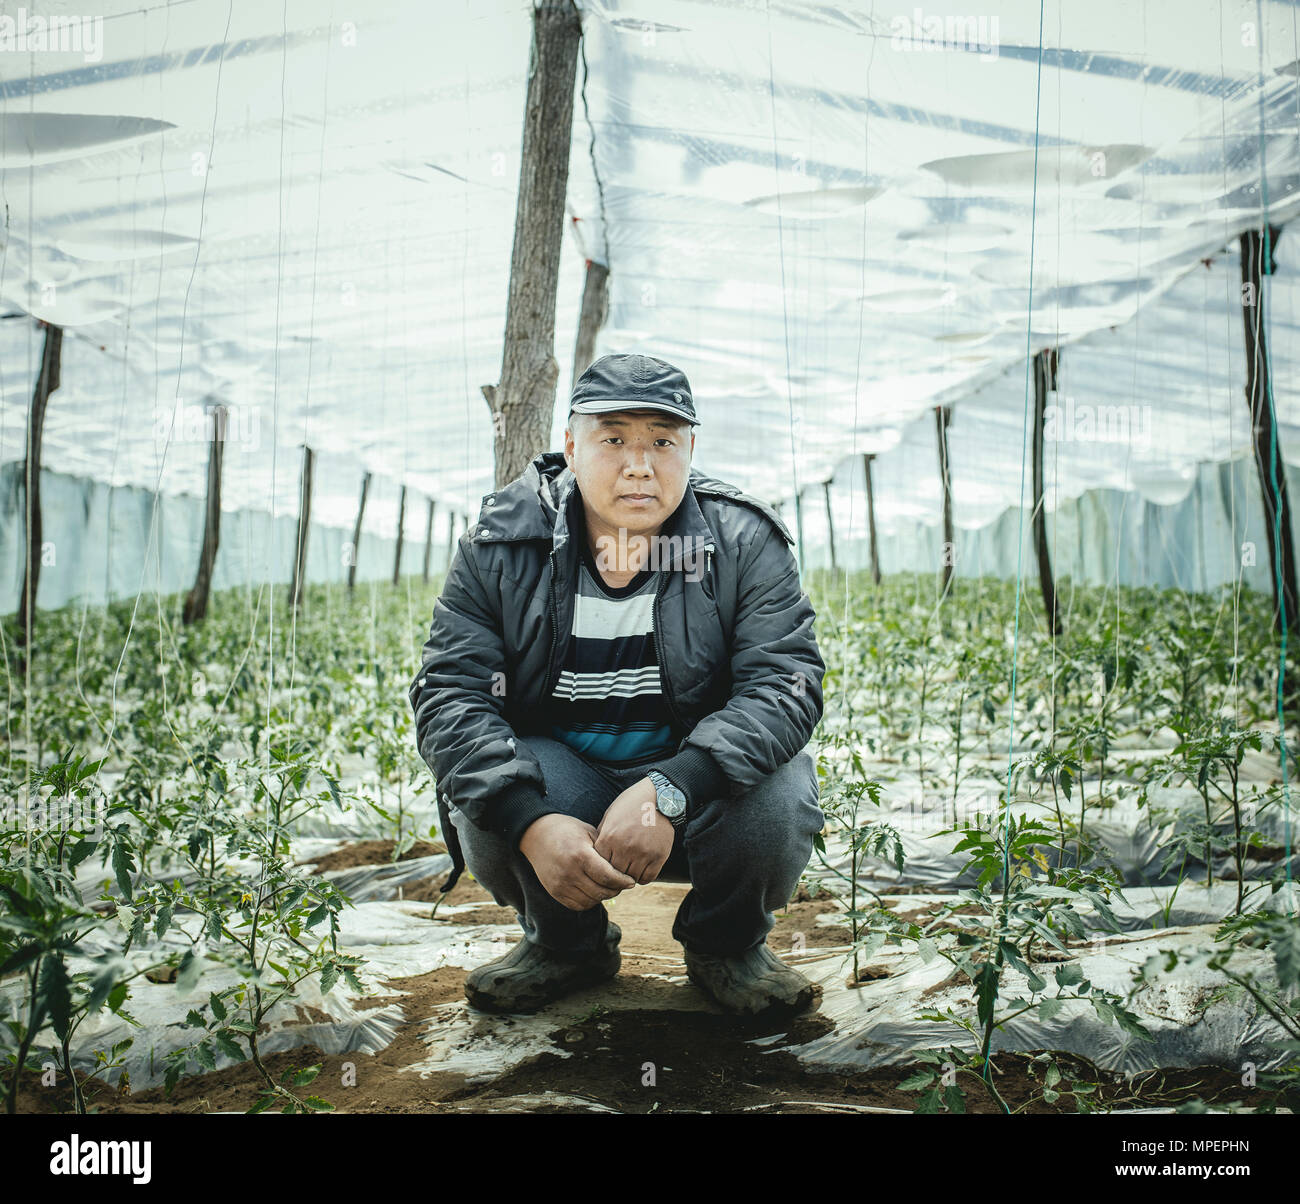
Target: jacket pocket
697,660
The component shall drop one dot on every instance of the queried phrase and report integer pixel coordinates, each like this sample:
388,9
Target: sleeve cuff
517,807
695,773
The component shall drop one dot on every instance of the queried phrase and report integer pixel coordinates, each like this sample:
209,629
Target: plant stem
25,1045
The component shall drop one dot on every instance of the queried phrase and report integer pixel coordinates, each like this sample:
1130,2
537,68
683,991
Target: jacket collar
539,504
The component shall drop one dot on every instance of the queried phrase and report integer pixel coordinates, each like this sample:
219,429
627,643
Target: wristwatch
669,801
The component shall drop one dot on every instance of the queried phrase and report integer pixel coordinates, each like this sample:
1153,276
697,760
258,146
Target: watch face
672,803
668,799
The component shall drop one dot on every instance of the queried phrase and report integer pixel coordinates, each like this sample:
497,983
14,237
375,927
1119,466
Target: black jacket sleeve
776,672
459,717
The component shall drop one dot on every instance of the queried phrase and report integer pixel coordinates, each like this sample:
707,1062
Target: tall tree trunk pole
356,534
943,416
871,519
47,380
1044,379
830,523
196,601
304,525
595,309
428,543
401,523
523,402
1268,453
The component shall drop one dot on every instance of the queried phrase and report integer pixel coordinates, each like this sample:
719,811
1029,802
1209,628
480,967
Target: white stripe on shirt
619,683
613,618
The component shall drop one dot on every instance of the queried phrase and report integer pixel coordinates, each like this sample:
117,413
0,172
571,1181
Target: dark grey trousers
742,856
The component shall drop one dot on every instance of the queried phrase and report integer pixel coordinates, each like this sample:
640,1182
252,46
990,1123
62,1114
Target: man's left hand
634,837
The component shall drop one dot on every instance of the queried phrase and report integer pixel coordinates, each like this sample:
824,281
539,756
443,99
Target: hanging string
785,311
857,361
113,464
1137,331
1286,788
591,149
1059,373
464,325
4,263
299,569
1263,337
180,366
311,316
1020,542
1238,572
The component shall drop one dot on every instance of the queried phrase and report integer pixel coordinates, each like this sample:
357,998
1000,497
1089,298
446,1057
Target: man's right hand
562,851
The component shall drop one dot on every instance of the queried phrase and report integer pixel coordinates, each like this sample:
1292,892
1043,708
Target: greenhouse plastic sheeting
832,216
102,543
363,883
105,543
1142,909
396,939
1212,536
1124,834
875,1027
883,1026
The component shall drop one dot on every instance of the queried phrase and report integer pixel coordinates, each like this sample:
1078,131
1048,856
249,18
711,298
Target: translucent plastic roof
823,213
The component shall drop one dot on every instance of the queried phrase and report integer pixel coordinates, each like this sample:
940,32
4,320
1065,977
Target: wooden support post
942,417
451,538
1268,453
830,523
1202,574
356,534
523,402
401,523
1044,379
871,519
297,587
595,308
47,380
196,601
428,543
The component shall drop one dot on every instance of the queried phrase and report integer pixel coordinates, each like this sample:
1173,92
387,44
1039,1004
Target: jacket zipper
555,634
659,654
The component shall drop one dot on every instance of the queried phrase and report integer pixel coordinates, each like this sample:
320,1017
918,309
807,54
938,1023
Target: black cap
633,382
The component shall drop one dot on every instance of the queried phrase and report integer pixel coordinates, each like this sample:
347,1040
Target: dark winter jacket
739,664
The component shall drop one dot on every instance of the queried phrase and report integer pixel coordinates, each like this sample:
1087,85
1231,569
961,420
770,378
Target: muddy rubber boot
753,983
529,976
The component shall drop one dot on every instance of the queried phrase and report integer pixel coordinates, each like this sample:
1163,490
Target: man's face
632,467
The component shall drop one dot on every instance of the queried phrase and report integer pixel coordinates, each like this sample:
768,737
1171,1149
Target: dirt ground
370,852
640,1043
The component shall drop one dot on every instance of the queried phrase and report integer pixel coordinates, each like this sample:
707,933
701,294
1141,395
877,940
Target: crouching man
620,679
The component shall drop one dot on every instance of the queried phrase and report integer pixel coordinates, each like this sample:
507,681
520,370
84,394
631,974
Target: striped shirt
607,704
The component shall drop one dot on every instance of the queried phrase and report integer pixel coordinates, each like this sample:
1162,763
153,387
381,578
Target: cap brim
614,404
